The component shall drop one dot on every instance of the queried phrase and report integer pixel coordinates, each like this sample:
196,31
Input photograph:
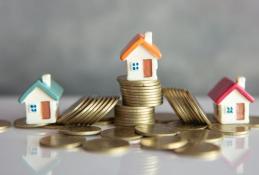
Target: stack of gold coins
132,116
147,93
139,97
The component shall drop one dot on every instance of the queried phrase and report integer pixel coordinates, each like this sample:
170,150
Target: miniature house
141,56
231,101
41,100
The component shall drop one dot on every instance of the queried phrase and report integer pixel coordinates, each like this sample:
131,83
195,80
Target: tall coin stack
139,99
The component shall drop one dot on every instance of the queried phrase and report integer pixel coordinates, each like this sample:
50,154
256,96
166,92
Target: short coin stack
132,116
88,110
186,106
138,101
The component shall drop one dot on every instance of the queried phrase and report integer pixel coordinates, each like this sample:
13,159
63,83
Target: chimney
46,79
241,81
148,37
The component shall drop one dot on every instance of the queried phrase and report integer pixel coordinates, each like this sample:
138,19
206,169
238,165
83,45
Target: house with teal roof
41,100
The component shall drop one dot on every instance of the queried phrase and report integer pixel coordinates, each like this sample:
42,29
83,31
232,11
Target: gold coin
62,141
201,150
254,122
167,142
196,136
187,127
125,133
233,129
81,131
4,124
104,145
155,130
133,109
155,87
165,117
123,80
21,123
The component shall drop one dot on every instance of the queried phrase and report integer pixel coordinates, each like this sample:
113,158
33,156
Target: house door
45,109
147,67
240,111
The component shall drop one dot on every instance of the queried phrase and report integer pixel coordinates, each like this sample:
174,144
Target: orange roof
139,39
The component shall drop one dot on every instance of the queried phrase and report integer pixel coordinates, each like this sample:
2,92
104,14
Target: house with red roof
231,101
142,58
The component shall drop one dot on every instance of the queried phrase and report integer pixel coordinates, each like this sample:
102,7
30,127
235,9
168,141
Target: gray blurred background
79,42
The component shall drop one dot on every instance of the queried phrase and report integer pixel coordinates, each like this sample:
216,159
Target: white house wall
230,101
36,97
138,55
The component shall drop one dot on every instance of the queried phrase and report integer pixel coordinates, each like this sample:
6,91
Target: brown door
45,110
240,111
147,65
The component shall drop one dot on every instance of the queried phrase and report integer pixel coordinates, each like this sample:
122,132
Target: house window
229,110
135,66
33,108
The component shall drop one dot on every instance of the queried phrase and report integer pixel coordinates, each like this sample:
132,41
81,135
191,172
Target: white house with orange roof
142,58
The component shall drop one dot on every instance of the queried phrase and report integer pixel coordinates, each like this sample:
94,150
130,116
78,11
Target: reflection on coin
233,129
4,124
167,142
155,130
81,131
105,121
201,150
21,123
104,145
254,122
165,117
54,126
125,133
187,127
61,141
196,136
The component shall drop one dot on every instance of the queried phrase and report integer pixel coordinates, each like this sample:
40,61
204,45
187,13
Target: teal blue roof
55,91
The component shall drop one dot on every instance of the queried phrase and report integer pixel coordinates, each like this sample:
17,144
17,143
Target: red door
147,66
240,111
45,109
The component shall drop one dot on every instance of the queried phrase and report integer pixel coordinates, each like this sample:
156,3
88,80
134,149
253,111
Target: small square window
229,110
33,108
135,66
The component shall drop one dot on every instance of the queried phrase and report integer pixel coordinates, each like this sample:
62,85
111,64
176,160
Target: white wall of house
137,56
35,98
231,101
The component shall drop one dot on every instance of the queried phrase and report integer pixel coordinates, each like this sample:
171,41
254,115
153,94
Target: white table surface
21,154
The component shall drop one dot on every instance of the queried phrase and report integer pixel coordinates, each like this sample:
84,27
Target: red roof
225,87
139,39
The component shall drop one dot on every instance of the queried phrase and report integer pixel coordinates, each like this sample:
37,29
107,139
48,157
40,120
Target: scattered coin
167,142
4,124
197,136
21,123
155,130
233,129
254,122
80,130
200,150
125,133
62,141
104,145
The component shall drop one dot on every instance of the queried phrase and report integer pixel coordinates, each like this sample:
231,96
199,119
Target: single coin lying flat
155,130
61,141
125,133
231,129
166,142
80,130
104,145
21,123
